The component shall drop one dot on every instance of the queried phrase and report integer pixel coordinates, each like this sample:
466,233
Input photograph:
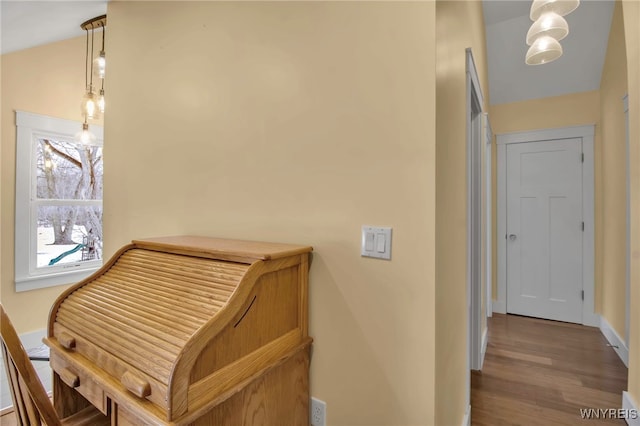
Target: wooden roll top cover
149,312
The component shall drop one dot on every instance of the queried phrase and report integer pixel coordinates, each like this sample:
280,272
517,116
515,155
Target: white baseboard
466,420
615,341
499,306
628,404
485,341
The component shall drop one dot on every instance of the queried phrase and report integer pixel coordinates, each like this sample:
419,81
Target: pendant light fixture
543,50
548,24
85,136
561,7
93,101
549,27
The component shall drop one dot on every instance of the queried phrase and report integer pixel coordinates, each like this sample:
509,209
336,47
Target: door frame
586,133
475,102
627,328
488,174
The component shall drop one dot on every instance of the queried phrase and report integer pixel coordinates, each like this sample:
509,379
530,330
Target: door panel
544,229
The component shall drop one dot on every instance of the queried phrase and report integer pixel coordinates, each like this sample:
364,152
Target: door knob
513,237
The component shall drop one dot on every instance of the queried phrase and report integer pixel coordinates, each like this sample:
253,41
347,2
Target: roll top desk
187,331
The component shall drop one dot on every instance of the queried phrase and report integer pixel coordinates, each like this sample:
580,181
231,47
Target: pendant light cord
104,30
92,43
86,65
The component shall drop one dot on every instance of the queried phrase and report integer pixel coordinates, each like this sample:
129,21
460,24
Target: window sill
54,279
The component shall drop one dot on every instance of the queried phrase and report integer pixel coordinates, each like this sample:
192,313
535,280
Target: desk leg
122,417
66,400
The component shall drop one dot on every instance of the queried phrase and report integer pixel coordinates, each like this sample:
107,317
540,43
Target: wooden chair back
30,400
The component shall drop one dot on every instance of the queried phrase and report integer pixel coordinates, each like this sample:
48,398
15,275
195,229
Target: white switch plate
376,242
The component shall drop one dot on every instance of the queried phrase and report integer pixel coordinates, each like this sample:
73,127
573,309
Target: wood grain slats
161,300
191,278
151,319
138,304
138,292
173,262
172,330
159,353
156,335
201,308
153,286
122,329
133,279
203,288
124,349
187,272
205,263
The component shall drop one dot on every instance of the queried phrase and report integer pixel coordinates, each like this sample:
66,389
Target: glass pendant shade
99,65
548,24
543,50
101,102
85,136
89,106
561,7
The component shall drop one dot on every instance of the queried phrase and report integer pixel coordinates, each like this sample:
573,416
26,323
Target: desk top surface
220,247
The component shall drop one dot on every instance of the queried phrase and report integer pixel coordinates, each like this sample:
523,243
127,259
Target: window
58,202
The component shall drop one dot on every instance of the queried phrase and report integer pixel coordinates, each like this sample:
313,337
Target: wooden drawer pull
66,340
134,384
70,378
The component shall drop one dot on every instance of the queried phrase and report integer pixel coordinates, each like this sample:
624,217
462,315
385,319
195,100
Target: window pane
69,234
68,171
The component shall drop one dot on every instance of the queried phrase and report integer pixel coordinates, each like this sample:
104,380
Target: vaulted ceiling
579,68
32,23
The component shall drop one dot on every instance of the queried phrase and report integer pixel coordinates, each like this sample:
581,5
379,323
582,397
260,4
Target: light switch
369,240
376,242
380,243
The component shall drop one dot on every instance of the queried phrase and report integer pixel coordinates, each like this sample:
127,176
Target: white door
545,229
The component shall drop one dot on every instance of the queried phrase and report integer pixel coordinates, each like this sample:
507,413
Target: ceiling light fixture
548,24
561,7
543,50
548,28
93,103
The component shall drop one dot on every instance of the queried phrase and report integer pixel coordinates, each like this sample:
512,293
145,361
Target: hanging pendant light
548,24
561,7
101,102
89,106
85,136
100,63
543,50
92,105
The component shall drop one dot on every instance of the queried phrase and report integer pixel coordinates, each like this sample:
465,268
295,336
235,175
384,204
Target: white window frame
31,128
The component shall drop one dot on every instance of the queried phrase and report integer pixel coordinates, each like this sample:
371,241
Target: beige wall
46,80
559,111
546,113
631,13
459,25
613,87
293,122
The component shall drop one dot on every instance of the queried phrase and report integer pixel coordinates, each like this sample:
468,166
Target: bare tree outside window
68,184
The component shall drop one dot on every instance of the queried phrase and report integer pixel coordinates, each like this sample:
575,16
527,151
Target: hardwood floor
539,372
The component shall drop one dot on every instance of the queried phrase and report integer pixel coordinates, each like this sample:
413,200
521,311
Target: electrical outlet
318,412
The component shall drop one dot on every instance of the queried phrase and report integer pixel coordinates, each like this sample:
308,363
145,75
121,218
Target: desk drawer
79,380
